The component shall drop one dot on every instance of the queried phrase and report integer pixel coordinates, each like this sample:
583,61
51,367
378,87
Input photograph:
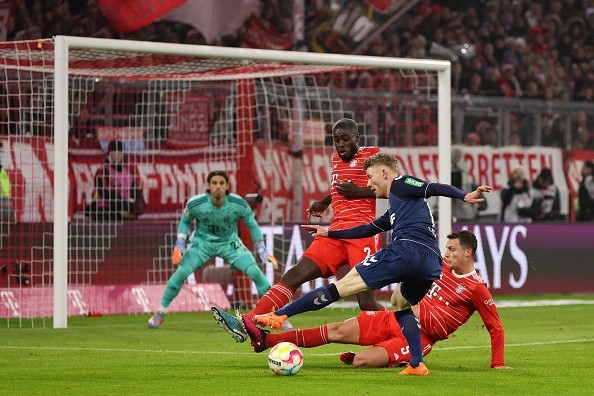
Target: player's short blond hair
384,159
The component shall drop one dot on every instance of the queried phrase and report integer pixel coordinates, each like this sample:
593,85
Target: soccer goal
179,112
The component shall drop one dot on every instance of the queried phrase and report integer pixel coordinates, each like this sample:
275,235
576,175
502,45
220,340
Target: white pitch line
37,348
540,303
537,343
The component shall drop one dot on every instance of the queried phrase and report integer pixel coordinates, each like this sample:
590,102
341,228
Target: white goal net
179,112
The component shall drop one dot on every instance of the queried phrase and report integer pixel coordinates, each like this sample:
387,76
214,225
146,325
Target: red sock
306,338
277,297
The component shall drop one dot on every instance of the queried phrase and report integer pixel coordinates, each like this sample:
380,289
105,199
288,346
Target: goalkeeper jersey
217,225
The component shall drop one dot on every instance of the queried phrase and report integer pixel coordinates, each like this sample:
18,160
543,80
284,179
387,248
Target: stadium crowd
524,48
528,49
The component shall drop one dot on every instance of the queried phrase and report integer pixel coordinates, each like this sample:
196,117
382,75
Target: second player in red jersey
352,203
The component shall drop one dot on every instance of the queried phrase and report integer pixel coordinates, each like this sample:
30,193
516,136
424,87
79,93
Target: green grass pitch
551,350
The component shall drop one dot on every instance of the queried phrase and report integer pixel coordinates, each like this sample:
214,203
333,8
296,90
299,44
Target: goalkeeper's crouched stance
215,214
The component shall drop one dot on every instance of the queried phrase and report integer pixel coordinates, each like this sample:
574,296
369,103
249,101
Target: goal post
263,115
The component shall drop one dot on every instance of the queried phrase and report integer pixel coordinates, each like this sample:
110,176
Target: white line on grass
498,303
37,348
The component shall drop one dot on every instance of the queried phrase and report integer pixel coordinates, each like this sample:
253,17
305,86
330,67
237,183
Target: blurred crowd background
539,49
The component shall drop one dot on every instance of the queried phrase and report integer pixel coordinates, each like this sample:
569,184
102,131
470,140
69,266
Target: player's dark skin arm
318,207
349,189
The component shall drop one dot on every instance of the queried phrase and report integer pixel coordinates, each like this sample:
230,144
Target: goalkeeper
215,214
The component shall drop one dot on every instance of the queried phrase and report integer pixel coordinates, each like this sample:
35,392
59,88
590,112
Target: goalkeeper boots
155,321
421,369
270,319
257,335
229,323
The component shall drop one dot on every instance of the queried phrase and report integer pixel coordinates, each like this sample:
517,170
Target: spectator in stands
473,139
118,193
508,82
582,132
462,179
553,130
586,193
517,198
6,209
547,203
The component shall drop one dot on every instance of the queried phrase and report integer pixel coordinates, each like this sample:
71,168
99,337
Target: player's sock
174,285
277,297
255,274
306,338
412,332
312,301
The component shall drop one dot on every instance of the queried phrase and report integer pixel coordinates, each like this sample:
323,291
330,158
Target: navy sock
412,332
312,301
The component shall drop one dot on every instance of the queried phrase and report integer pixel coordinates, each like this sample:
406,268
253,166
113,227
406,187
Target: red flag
214,18
128,16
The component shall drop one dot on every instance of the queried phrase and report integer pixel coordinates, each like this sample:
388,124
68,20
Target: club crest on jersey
459,289
353,163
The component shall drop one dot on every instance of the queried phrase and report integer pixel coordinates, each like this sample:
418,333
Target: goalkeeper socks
411,329
174,285
312,301
277,297
255,273
306,338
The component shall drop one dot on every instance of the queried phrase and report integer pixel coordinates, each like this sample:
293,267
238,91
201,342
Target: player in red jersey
452,300
353,203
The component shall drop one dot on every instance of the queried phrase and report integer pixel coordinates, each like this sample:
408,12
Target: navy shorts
414,265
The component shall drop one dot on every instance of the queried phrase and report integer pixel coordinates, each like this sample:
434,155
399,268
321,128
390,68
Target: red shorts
331,254
380,328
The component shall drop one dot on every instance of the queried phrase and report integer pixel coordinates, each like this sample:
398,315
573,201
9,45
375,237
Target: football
285,358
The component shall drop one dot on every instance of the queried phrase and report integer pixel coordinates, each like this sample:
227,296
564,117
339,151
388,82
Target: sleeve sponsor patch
413,182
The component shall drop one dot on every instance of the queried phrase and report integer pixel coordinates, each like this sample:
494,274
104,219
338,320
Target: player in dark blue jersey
412,258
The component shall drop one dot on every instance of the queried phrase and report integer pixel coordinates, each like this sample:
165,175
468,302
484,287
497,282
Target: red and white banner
214,18
169,177
486,165
130,15
33,302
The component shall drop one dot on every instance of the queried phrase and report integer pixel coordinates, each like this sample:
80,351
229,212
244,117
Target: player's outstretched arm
475,196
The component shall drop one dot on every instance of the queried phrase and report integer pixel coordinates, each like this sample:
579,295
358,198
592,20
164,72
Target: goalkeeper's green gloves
178,251
265,256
